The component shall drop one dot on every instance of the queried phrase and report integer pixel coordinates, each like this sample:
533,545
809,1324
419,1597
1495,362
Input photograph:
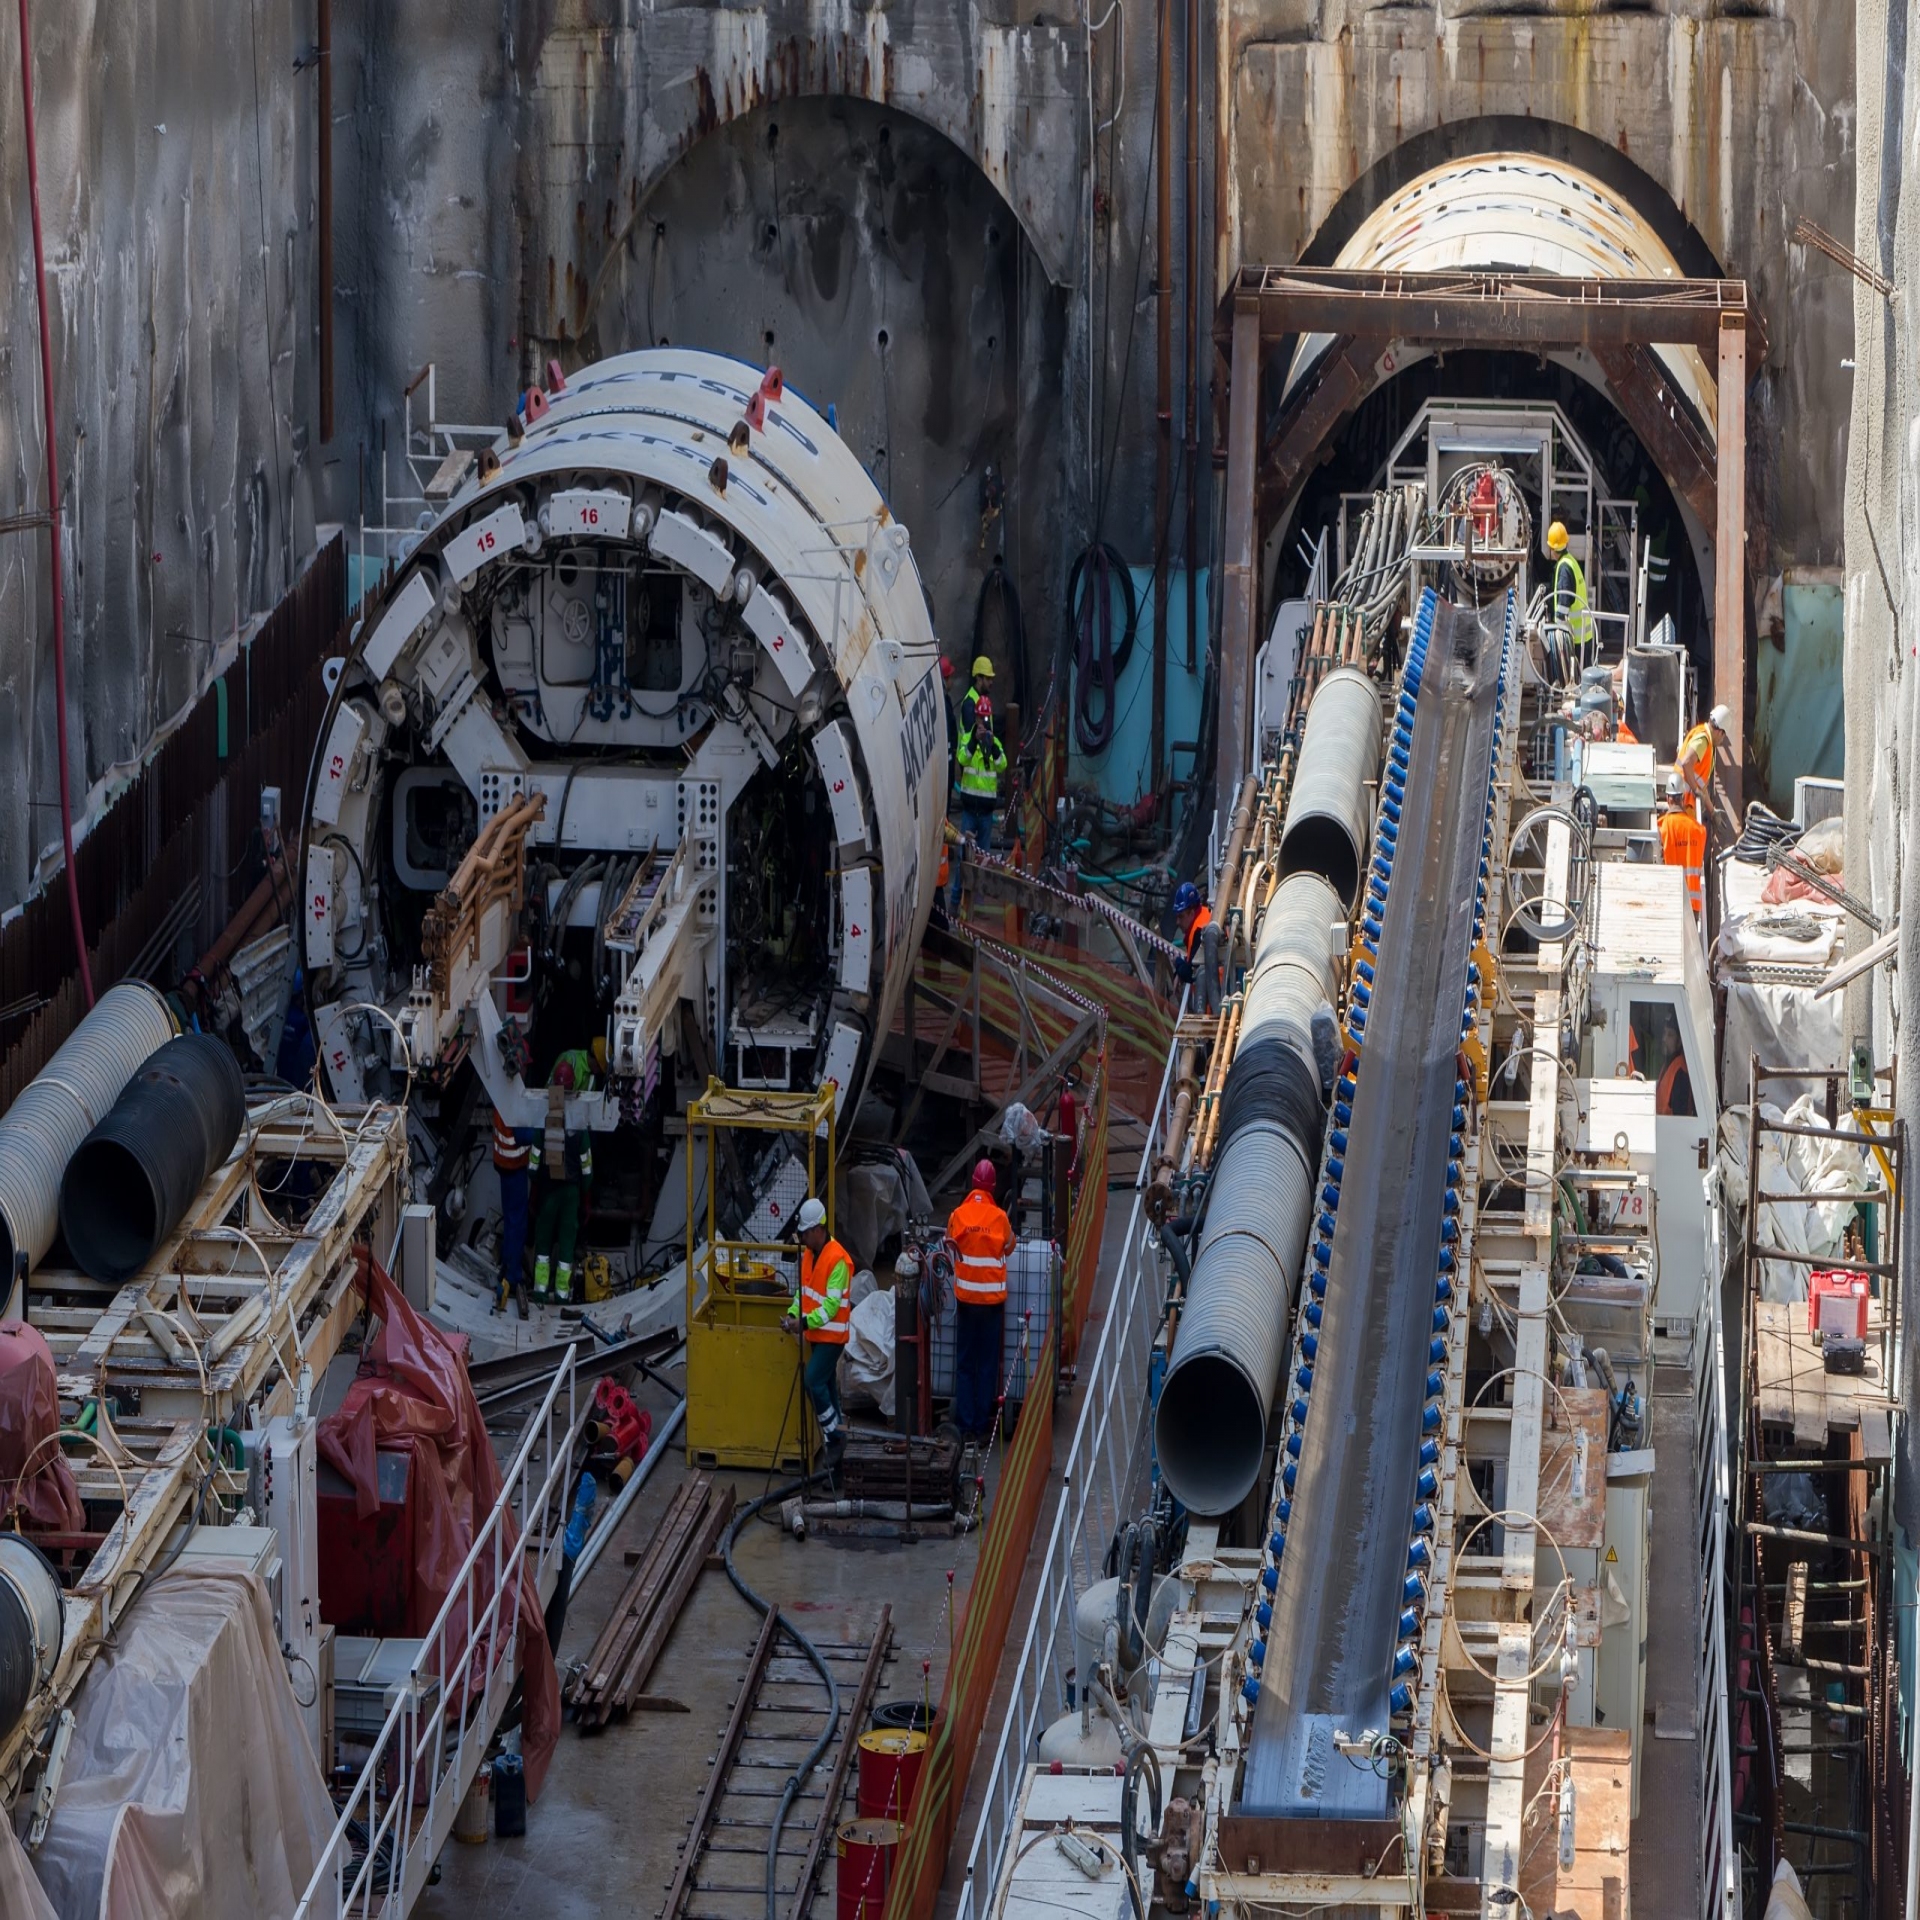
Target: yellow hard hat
983,668
600,1051
1557,538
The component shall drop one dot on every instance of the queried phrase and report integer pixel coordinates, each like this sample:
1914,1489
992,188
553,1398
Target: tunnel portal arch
1562,204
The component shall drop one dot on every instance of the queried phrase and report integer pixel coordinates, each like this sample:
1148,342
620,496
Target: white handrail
1719,1858
1093,1498
402,1807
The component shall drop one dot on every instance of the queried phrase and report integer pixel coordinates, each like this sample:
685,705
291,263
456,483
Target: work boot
542,1271
563,1284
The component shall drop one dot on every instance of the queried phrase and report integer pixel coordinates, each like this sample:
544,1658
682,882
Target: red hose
53,512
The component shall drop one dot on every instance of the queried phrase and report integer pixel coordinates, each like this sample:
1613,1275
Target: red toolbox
1837,1304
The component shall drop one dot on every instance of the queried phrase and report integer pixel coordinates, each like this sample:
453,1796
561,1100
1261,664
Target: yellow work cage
745,1405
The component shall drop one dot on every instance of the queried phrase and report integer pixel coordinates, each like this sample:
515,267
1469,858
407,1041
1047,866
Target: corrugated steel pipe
1210,1429
1329,820
136,1174
71,1095
31,1622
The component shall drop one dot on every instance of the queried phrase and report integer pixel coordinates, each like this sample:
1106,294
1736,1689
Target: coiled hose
798,1777
1098,663
1764,828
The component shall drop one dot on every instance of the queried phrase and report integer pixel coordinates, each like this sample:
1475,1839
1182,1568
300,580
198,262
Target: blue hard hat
1185,896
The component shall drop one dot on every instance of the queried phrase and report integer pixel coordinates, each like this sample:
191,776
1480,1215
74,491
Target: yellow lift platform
745,1405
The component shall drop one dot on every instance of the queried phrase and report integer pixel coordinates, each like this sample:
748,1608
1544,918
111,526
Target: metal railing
1095,1496
1712,1494
401,1809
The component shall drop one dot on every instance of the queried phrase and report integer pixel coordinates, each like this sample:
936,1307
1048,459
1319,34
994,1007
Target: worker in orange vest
982,1237
820,1314
1683,839
1195,917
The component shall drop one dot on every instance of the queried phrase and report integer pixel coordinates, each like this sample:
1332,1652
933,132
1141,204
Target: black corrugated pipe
31,1622
132,1179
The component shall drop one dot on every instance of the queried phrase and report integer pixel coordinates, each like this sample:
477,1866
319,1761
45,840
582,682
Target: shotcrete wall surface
1883,591
175,191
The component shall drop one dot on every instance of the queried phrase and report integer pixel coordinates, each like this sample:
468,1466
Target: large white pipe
67,1099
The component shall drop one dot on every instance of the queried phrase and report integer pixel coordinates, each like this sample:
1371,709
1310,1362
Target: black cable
1130,1814
999,585
366,895
1098,664
798,1778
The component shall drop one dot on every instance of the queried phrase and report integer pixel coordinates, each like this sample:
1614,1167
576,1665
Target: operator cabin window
1657,1053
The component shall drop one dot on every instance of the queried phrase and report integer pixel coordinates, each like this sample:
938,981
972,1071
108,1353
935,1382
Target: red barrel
863,1853
890,1762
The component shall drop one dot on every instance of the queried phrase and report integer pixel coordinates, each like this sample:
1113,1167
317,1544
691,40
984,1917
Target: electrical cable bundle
1374,580
1098,663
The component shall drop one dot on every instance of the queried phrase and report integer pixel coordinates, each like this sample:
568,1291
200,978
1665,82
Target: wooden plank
636,1600
673,1600
1571,1522
1595,1887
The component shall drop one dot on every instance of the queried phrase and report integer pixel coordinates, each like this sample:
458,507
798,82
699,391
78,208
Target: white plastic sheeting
1791,1163
20,1895
191,1791
1781,1026
866,1368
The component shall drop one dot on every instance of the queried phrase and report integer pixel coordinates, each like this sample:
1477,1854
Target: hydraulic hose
798,1777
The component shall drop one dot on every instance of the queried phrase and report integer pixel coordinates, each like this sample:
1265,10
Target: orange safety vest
510,1155
816,1281
1683,843
1202,920
1696,751
982,1237
1663,1093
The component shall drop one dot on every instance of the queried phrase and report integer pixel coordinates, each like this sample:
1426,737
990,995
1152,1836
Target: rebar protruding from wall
1210,1430
70,1096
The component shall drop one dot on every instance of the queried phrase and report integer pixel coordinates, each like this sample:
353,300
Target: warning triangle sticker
1613,1554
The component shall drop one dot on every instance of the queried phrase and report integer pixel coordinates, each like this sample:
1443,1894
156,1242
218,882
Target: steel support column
1240,586
1730,549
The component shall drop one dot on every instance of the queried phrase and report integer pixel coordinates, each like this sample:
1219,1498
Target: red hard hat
984,1177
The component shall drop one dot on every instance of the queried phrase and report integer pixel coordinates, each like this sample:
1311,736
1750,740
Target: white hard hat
812,1214
1676,787
1721,717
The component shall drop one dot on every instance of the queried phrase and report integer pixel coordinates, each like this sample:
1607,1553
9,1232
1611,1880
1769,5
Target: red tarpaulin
38,1482
413,1396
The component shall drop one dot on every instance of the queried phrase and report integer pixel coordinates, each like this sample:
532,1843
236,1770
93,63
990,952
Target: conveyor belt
1339,1595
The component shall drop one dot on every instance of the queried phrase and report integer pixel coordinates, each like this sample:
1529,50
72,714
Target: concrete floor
1664,1857
604,1837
